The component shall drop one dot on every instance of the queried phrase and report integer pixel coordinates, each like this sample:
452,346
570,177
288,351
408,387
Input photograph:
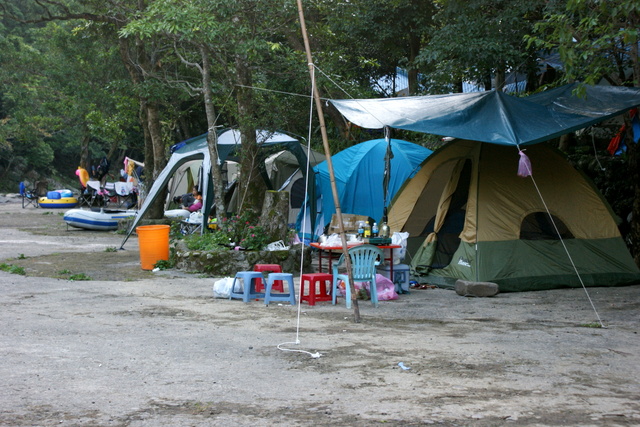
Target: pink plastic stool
317,287
269,268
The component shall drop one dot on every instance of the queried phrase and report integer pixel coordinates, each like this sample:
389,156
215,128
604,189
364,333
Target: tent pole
327,150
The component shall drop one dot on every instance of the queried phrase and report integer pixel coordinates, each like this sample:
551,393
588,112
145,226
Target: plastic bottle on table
367,230
374,230
384,230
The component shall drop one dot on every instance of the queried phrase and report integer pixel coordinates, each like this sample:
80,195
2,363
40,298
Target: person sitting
197,204
185,200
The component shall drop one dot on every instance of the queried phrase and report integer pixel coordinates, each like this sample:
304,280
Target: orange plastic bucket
154,244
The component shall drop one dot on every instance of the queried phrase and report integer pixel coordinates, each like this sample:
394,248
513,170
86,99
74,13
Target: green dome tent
470,217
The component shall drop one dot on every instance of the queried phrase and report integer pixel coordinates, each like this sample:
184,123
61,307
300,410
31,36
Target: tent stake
327,150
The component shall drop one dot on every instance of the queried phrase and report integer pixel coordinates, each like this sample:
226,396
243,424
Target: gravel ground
138,348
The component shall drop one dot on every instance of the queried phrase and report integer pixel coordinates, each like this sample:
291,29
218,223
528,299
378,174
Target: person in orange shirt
83,176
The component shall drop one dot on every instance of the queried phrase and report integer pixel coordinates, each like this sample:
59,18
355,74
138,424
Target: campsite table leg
325,253
320,256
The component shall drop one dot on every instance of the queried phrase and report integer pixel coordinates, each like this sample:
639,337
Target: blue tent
359,173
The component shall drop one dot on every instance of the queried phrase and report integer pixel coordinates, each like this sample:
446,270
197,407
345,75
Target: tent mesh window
538,226
297,194
449,233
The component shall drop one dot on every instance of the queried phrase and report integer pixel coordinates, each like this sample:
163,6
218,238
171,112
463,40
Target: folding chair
29,197
125,194
92,195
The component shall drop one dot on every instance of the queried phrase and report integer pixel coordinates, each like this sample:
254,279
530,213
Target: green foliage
591,325
595,39
237,226
58,88
216,240
69,275
13,269
175,231
359,42
163,264
237,230
79,277
111,249
477,39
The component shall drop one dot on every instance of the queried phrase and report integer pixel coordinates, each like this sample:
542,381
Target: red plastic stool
317,287
270,268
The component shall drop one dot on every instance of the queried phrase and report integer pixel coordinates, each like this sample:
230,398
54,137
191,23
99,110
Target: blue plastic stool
249,285
286,277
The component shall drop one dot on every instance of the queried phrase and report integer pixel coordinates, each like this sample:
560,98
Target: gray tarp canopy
494,116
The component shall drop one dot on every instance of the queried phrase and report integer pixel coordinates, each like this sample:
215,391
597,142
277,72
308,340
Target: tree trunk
500,76
212,136
148,145
275,207
412,73
252,185
85,161
154,156
156,210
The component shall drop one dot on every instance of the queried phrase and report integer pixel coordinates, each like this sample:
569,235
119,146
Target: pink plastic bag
386,288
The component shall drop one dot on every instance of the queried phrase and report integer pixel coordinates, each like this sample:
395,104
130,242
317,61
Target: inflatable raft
103,219
58,199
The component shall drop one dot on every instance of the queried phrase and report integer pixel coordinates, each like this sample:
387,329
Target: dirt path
135,348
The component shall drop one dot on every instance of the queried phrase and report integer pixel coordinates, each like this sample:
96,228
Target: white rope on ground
566,250
315,355
304,230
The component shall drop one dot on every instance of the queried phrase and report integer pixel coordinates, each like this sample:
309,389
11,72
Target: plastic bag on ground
222,287
385,287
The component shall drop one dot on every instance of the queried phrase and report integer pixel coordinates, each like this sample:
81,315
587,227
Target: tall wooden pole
327,152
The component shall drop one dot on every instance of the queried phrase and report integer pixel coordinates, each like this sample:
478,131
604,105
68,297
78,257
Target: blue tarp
494,116
359,172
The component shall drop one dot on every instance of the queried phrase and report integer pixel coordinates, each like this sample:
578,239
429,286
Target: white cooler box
400,276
